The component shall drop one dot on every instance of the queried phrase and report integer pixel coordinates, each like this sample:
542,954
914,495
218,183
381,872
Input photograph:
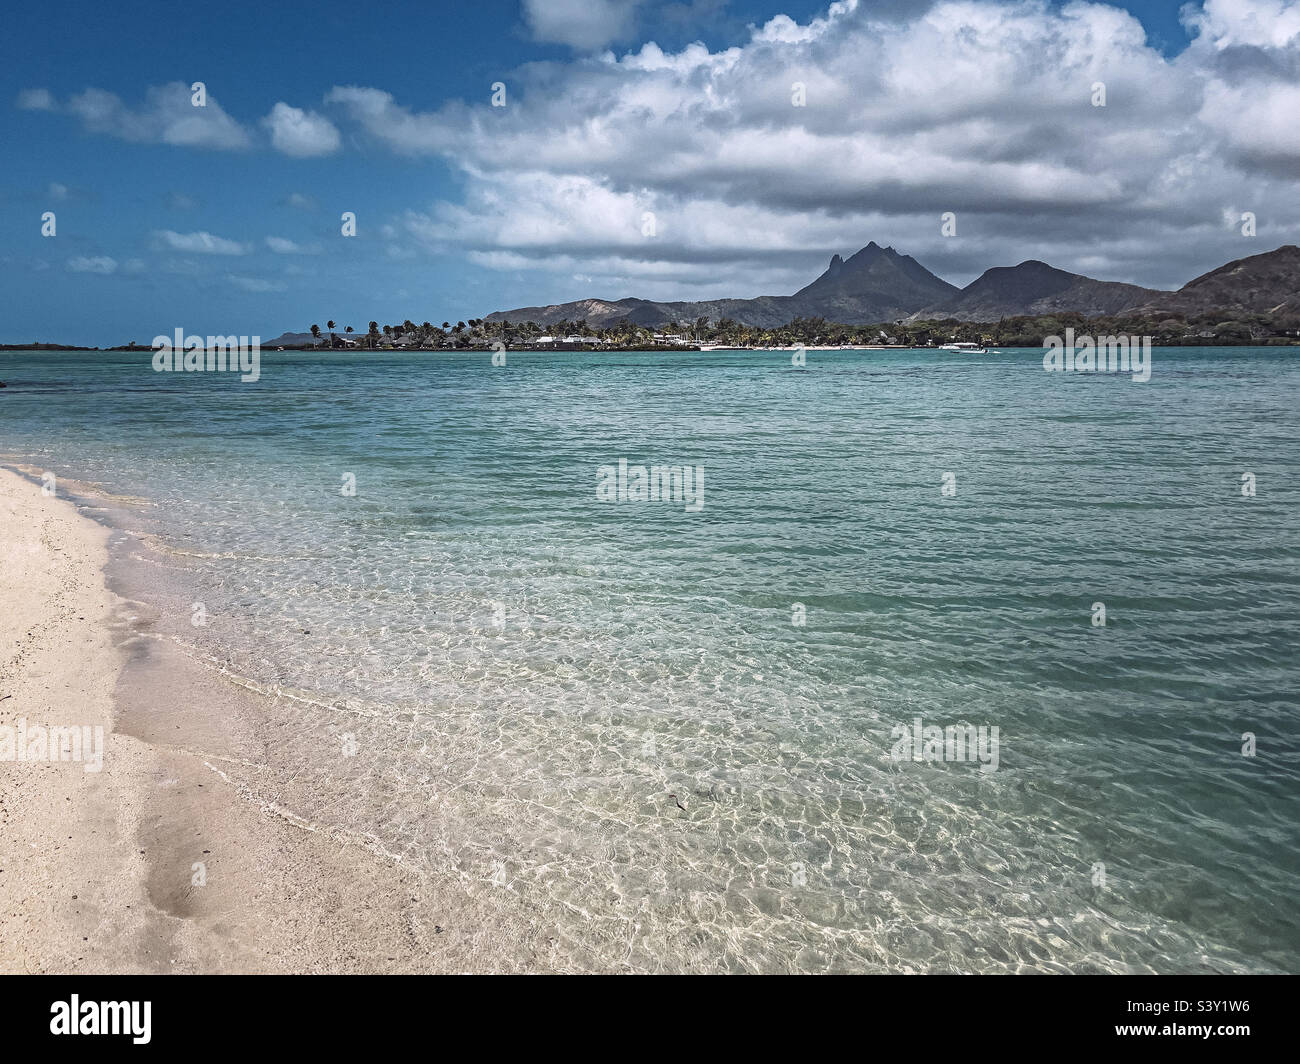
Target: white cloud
1229,23
1250,52
396,126
980,107
35,100
167,116
101,264
57,191
201,243
301,134
283,246
583,24
300,202
1259,119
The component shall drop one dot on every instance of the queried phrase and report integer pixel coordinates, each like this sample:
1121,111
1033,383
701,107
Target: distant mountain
293,339
877,284
766,312
1035,288
1268,283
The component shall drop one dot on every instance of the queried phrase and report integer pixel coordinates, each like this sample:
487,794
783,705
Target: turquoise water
528,672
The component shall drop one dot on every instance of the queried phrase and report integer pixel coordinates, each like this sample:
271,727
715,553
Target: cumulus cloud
166,116
200,243
979,107
805,137
1259,120
1234,23
396,126
299,133
1250,52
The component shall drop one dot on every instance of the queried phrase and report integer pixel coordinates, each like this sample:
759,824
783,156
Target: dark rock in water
3,384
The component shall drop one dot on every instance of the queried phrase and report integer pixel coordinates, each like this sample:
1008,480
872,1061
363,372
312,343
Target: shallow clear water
648,650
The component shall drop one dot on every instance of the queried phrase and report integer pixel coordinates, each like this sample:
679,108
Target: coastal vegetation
1219,328
1212,328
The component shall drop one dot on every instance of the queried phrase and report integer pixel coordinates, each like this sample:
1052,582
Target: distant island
36,345
880,285
875,298
881,295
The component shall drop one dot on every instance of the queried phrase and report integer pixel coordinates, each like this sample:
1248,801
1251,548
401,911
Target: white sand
97,867
71,890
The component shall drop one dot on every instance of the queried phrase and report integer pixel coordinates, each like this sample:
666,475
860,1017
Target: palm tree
330,326
315,334
372,334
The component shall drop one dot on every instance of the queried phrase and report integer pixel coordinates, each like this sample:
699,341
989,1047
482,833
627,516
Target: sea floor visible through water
669,736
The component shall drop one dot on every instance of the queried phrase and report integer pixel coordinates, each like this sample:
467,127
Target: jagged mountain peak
874,277
877,285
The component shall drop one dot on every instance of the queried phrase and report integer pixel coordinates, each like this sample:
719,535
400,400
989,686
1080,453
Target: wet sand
164,861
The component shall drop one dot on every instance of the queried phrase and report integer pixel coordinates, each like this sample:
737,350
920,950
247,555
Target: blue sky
228,219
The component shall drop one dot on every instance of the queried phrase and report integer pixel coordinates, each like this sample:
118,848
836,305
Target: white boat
968,349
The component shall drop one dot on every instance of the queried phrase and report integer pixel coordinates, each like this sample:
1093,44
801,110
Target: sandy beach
160,861
72,889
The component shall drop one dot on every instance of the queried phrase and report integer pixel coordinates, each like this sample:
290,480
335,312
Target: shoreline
72,894
528,748
479,349
167,860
